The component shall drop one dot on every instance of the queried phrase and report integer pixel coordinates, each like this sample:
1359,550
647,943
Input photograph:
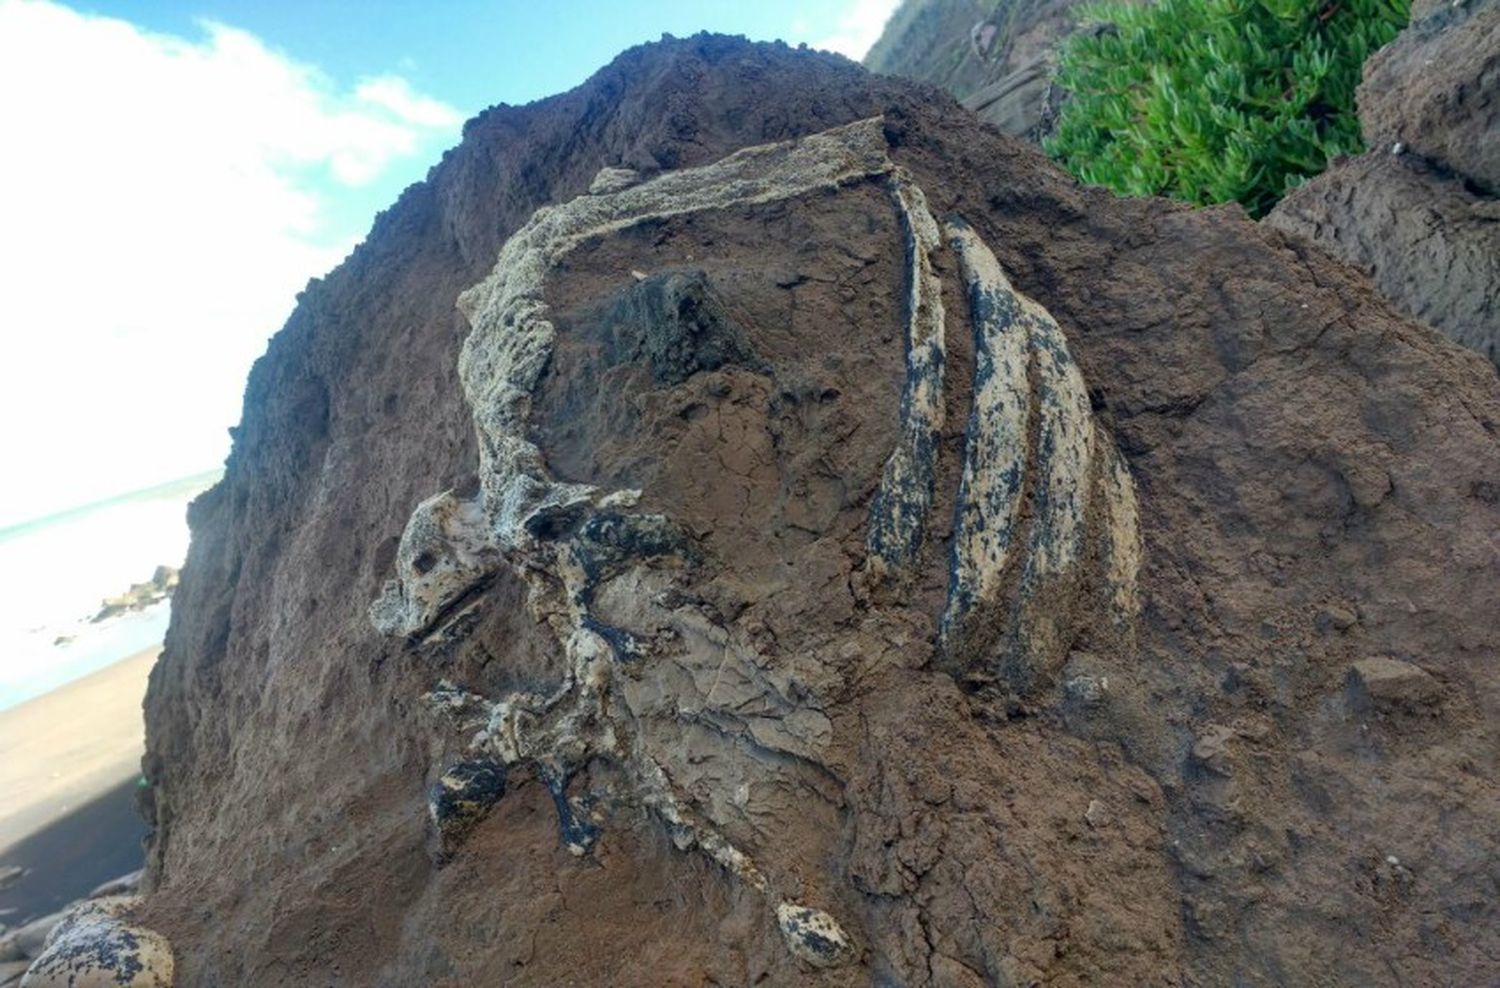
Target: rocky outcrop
1428,243
1419,212
140,595
999,59
746,521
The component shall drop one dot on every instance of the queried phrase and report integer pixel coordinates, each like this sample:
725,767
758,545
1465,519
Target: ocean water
56,571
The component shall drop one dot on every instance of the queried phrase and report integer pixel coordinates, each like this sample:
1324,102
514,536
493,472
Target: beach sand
68,764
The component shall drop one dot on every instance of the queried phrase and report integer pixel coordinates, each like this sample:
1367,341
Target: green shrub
1216,100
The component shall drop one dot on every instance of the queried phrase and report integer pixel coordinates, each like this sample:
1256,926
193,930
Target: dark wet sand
97,842
69,761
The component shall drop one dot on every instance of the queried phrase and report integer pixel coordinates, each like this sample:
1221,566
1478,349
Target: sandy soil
66,748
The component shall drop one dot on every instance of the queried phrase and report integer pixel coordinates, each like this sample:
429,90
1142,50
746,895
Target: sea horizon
61,566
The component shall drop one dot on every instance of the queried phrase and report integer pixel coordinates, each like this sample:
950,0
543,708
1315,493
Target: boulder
1435,90
1430,244
919,500
96,946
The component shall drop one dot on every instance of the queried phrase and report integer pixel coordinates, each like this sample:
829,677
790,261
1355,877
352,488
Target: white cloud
162,199
395,94
859,27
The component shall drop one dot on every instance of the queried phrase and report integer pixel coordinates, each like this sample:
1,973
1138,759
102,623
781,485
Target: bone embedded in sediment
1123,546
1038,469
563,540
899,511
1062,458
444,551
995,447
813,935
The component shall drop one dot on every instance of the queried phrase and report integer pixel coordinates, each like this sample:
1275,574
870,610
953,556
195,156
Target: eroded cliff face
998,57
743,521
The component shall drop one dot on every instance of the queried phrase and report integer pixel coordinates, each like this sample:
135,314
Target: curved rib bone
1038,467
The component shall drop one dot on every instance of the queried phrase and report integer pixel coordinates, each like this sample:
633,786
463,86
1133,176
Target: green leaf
1213,100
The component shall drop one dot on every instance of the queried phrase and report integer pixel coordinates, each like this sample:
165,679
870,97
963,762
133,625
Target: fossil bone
1031,434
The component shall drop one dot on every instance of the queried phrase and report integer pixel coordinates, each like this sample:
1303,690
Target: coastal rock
140,595
1419,212
1436,91
774,599
1430,244
95,946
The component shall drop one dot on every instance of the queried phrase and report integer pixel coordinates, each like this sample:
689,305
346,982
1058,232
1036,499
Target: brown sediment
1200,808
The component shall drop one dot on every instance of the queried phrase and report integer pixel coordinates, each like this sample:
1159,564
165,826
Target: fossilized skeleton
1043,495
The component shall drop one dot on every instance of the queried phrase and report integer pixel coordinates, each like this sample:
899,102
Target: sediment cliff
745,521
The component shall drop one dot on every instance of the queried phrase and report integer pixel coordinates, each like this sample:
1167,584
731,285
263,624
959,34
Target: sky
176,171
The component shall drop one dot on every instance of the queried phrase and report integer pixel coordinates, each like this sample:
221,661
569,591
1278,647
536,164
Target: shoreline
70,746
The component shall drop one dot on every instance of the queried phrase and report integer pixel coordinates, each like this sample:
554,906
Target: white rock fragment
1390,685
1090,691
813,936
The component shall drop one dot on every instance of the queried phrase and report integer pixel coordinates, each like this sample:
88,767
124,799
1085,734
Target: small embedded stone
1096,816
812,935
1211,749
1335,617
1388,684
